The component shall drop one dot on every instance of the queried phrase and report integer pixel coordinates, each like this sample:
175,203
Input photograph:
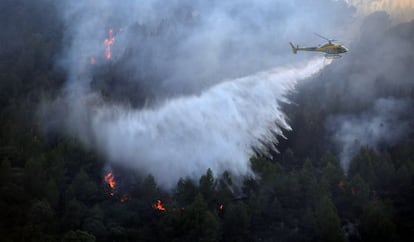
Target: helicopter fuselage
331,49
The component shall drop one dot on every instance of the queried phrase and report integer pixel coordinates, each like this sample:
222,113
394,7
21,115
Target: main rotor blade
323,37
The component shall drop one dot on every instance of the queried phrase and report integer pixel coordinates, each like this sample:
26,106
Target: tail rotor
294,49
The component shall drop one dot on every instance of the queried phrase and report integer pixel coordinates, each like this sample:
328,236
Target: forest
53,188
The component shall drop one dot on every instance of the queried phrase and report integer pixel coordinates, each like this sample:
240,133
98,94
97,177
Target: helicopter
332,50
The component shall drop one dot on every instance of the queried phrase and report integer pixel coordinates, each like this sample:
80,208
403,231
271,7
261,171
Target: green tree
333,181
207,186
264,168
194,223
224,192
186,191
5,172
289,161
41,220
358,192
385,174
117,233
84,189
94,223
56,168
308,181
78,236
204,225
236,223
34,177
308,225
363,164
73,214
41,213
376,224
328,223
326,158
149,190
52,193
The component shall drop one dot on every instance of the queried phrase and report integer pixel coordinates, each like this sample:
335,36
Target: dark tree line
58,193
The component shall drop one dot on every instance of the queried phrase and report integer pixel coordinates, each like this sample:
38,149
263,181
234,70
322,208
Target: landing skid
332,56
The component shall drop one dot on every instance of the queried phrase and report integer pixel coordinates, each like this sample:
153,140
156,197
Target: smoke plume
167,88
382,126
183,47
400,10
369,93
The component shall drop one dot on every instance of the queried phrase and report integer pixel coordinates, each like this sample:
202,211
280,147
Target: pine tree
328,223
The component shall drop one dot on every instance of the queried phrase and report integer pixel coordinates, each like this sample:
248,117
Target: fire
221,207
110,179
158,206
108,42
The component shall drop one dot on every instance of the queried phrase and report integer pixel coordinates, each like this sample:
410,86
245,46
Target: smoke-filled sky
205,70
400,10
382,125
374,84
196,43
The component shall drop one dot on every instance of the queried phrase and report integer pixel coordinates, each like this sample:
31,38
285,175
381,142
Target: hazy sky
400,10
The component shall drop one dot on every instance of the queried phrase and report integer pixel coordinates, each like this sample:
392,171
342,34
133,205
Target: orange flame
110,179
158,206
108,42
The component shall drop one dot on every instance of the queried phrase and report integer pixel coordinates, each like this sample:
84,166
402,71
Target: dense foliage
52,188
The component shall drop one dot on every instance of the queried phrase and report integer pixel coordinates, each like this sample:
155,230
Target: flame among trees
158,206
110,180
108,42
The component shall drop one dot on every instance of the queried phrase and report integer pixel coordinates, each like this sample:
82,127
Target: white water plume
185,136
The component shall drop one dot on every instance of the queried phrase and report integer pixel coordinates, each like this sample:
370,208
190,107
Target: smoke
371,90
177,95
183,47
400,10
185,136
382,126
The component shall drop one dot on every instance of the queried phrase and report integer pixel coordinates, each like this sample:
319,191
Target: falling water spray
185,136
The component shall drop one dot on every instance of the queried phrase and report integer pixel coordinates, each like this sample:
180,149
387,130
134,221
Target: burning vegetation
108,42
110,180
158,206
221,207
